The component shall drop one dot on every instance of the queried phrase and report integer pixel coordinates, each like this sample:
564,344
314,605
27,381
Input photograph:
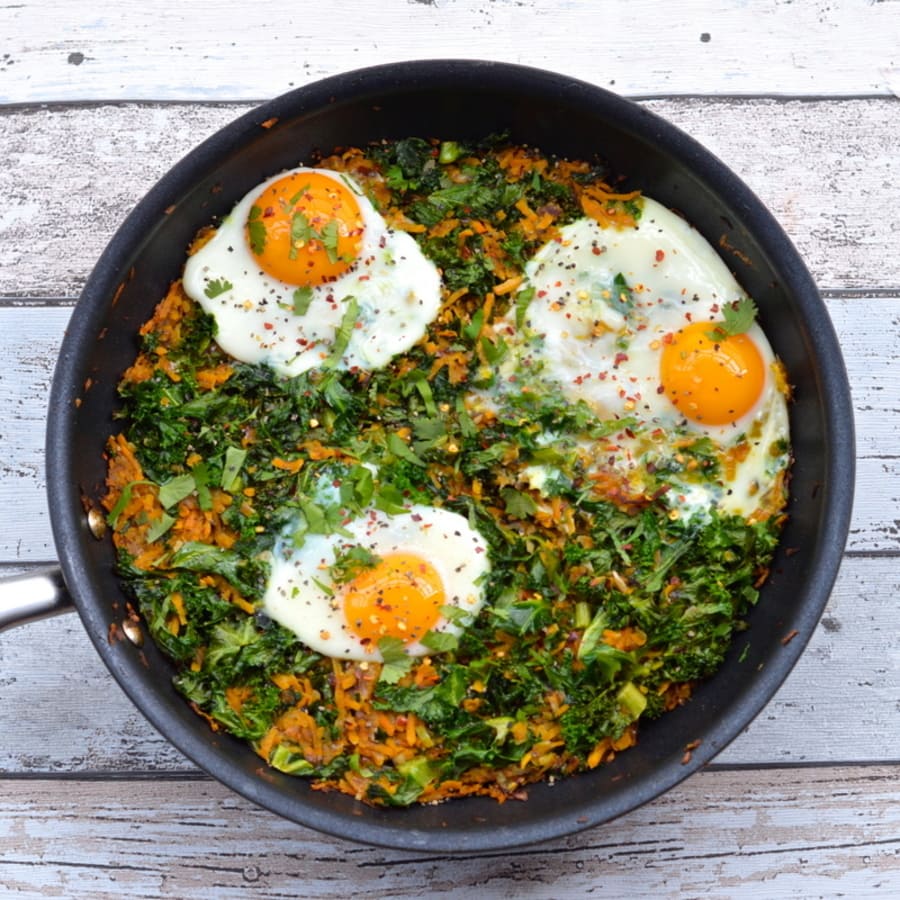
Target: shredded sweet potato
537,694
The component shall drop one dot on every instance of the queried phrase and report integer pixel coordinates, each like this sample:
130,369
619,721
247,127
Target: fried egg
305,272
633,321
386,575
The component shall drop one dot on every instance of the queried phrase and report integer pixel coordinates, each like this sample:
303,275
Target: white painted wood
172,49
122,814
827,170
775,834
840,704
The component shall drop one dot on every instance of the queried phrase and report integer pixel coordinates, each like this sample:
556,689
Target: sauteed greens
603,606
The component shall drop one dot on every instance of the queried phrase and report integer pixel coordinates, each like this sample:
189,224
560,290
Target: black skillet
459,99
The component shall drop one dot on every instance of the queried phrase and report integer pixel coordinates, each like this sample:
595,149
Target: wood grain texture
719,835
104,158
798,98
227,50
840,704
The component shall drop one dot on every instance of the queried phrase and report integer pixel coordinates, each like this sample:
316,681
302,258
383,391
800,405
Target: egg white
606,351
395,287
302,596
585,337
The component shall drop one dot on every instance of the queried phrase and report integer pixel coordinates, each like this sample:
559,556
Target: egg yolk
305,229
400,597
712,378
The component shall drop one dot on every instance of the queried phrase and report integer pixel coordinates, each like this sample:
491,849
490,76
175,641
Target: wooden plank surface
839,212
192,50
766,834
840,704
799,98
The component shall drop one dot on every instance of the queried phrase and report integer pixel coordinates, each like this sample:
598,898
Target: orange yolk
711,380
305,229
400,597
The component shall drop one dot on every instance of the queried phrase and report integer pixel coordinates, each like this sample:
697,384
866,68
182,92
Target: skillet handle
26,598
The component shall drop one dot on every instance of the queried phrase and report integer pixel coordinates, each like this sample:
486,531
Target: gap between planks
775,833
821,167
177,50
847,682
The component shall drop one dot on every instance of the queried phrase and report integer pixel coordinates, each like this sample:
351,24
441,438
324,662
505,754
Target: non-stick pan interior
452,99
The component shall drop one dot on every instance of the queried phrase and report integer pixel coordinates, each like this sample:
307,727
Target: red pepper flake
269,123
660,255
620,358
789,637
268,326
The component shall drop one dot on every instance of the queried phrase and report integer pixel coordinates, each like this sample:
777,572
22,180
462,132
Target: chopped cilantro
301,232
329,237
350,562
217,286
302,298
739,317
256,230
396,661
601,607
623,296
344,333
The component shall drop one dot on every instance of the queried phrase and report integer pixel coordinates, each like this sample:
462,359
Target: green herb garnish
739,318
217,286
302,297
256,230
